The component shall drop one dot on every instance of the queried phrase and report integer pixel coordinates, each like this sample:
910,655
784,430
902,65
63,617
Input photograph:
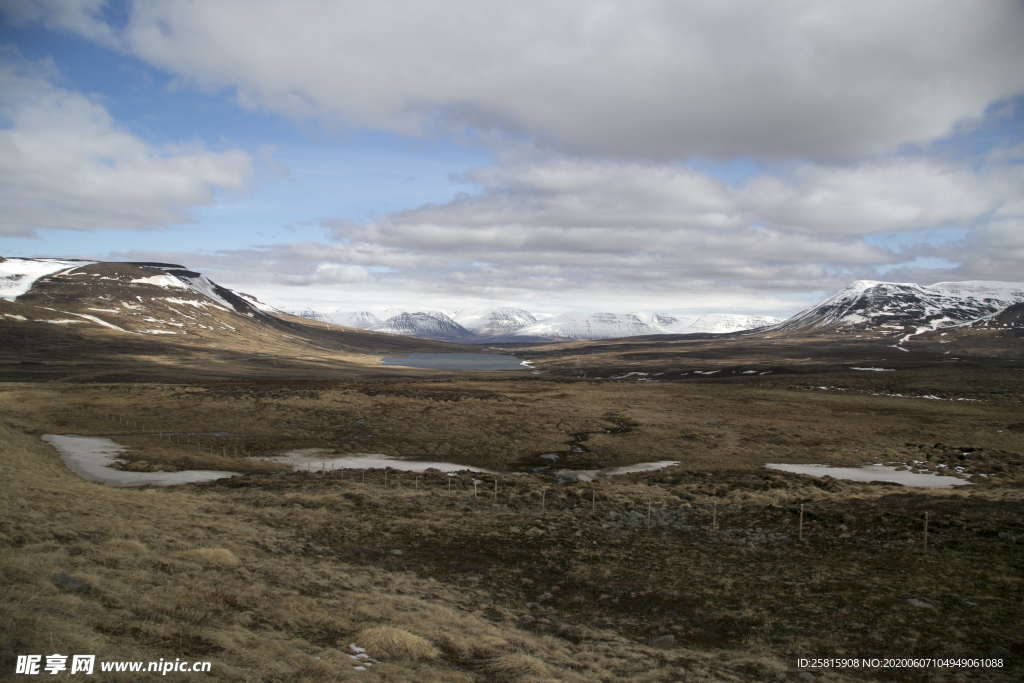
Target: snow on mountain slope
664,323
361,320
428,325
498,322
509,324
131,298
1009,318
17,275
720,323
259,305
905,306
589,326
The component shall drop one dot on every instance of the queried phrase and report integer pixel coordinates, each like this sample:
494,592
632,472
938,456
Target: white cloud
328,273
899,194
65,163
649,79
559,234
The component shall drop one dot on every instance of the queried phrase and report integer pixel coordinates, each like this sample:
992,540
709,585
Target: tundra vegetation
692,572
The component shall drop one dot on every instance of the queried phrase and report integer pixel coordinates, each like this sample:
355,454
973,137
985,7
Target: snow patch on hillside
17,275
160,281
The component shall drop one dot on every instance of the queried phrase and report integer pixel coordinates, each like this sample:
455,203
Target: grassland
691,573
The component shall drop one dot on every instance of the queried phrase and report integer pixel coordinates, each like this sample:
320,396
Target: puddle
458,361
92,457
320,459
874,473
591,475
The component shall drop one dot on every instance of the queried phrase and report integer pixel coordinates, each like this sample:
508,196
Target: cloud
897,194
655,79
563,233
327,273
65,163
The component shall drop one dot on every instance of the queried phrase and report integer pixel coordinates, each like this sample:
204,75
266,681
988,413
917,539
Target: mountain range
506,324
173,302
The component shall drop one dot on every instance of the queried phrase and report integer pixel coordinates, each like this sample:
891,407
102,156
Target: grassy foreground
693,573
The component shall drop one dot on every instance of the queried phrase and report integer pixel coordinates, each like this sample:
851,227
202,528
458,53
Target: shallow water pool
93,457
320,459
873,473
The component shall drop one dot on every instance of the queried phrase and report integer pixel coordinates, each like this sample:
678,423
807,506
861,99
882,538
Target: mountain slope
426,326
905,308
721,323
97,314
498,322
588,326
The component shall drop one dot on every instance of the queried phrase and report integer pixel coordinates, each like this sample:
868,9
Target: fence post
801,526
926,530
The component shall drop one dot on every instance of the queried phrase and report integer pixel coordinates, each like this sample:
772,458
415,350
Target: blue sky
678,158
304,172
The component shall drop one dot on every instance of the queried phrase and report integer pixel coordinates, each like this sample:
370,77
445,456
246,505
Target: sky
658,155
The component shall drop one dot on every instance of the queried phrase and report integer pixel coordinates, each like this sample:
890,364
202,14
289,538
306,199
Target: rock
663,641
396,552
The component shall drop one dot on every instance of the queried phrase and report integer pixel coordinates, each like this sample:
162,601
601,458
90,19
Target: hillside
61,316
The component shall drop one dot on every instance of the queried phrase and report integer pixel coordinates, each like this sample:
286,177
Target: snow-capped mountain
589,326
498,322
134,298
163,317
509,324
426,325
906,307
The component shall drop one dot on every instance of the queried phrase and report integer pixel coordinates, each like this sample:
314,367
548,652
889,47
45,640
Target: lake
458,361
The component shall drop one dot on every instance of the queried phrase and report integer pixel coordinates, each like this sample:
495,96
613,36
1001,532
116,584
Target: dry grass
706,426
389,642
212,557
271,576
135,574
517,667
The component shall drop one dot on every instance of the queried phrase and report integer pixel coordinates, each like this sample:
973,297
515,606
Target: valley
512,562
